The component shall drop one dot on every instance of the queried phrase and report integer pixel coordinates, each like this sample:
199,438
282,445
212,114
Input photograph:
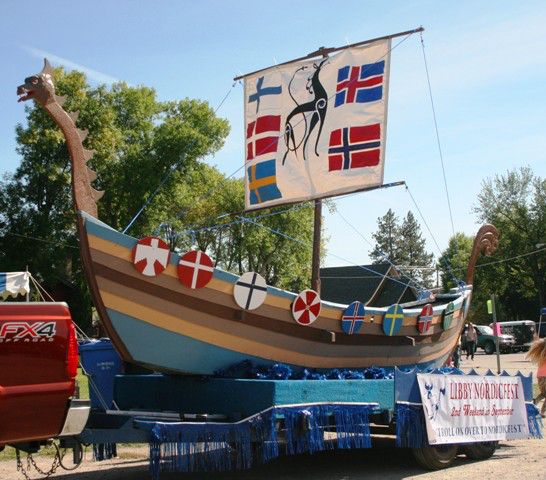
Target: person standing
471,337
537,355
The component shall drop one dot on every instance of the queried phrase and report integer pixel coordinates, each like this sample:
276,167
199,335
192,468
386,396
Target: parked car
523,331
486,340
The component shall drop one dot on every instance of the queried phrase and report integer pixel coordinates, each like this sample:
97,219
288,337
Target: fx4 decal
27,332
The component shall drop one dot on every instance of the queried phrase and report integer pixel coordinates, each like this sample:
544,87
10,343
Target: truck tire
480,450
437,457
489,347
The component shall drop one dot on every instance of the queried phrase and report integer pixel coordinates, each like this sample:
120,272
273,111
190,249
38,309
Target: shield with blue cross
392,321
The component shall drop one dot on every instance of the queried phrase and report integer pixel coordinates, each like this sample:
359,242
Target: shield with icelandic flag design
392,321
425,319
250,290
151,256
448,315
195,269
306,307
353,318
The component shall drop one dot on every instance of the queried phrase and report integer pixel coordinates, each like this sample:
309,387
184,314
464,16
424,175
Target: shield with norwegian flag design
425,319
306,307
353,318
195,269
151,256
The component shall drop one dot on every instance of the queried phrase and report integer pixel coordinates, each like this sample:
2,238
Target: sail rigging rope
383,254
457,280
308,244
437,133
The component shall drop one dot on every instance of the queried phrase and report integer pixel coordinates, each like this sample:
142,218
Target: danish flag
195,269
262,136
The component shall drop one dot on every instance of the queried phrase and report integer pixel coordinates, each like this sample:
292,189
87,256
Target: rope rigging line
307,244
437,134
383,254
457,280
175,167
542,249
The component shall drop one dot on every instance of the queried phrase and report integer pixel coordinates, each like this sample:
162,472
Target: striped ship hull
158,323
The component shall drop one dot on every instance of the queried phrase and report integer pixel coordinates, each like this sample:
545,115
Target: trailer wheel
480,450
437,457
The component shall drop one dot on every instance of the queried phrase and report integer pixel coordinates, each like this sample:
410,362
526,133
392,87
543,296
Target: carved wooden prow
40,88
486,242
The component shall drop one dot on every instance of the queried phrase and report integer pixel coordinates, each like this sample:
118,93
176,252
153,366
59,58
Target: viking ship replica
315,127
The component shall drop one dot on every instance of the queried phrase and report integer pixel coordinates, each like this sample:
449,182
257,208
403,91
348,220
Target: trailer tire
480,450
437,457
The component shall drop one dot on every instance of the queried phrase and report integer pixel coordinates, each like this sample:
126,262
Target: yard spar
315,127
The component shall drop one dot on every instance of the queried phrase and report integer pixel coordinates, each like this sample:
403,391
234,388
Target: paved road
511,362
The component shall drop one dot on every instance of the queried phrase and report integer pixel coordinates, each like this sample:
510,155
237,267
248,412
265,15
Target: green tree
138,142
454,260
516,204
402,245
412,251
386,238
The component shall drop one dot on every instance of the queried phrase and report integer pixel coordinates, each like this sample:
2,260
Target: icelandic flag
262,182
262,136
360,84
354,147
14,283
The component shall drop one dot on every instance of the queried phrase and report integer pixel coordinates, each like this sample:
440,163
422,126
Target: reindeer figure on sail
315,108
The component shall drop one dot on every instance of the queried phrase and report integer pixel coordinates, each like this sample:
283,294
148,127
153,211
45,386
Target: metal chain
31,463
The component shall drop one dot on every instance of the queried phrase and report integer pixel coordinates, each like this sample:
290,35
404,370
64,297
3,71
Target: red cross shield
425,319
306,307
150,256
195,269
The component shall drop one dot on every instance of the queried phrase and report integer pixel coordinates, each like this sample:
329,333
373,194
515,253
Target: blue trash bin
102,363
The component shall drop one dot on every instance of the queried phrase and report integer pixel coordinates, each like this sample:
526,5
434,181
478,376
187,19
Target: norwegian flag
262,136
354,147
360,84
195,269
151,256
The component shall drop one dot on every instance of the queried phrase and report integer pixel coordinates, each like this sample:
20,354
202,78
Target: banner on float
460,408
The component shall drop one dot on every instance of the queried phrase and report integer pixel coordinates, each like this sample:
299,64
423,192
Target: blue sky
487,63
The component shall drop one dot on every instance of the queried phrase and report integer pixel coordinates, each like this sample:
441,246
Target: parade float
245,371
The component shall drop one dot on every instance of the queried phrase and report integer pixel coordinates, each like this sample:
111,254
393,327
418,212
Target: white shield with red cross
151,256
425,319
306,307
195,269
250,290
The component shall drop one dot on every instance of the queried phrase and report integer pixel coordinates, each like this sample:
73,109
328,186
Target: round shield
448,315
306,307
424,322
151,256
392,321
195,269
353,318
250,290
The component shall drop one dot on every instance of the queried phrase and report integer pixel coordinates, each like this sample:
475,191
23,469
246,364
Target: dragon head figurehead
38,87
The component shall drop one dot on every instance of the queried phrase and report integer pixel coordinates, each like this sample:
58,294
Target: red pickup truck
38,367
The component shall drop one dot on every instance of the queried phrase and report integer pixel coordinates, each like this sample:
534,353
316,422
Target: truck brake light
72,355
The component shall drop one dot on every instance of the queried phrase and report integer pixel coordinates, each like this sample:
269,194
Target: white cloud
91,74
